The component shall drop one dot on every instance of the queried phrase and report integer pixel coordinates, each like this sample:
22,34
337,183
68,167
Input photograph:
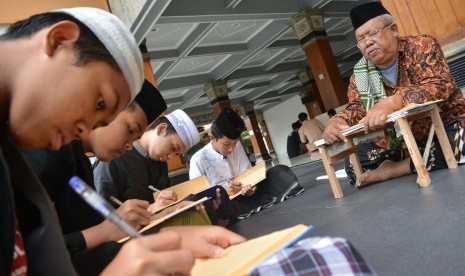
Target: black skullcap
230,123
365,12
151,101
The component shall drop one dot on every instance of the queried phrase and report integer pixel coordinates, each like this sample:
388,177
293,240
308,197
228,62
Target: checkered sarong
316,256
369,83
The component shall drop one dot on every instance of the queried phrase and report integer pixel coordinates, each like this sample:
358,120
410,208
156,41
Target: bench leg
423,176
333,181
442,137
354,160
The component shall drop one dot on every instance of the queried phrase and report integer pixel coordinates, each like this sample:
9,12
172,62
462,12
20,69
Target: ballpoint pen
153,189
116,201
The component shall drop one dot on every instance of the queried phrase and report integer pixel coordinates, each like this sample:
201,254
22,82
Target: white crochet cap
185,127
117,39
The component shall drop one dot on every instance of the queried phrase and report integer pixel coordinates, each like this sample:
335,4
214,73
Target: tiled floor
399,228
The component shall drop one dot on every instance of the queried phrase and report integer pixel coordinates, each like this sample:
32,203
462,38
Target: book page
186,188
240,258
251,176
170,215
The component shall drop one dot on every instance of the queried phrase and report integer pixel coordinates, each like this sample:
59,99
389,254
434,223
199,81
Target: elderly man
393,72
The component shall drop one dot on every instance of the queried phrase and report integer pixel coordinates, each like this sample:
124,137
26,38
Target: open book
200,187
242,258
158,221
197,188
251,177
410,108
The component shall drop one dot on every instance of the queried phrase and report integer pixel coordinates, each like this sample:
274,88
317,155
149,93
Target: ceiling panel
248,43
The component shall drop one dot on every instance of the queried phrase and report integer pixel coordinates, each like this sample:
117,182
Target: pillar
217,93
265,133
310,30
148,70
310,96
255,134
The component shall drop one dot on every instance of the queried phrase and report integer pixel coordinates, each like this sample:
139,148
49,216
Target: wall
443,19
14,10
278,120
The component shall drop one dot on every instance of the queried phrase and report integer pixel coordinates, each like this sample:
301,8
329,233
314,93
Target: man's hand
377,115
332,133
217,199
134,211
234,187
165,198
205,241
248,190
158,254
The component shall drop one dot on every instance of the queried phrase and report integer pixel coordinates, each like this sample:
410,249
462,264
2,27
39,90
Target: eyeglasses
371,35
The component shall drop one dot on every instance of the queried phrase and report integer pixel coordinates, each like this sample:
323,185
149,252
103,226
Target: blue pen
101,205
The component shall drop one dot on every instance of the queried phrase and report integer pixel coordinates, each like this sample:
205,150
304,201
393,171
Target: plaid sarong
316,256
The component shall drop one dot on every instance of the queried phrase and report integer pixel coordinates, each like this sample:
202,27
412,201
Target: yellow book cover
240,259
251,177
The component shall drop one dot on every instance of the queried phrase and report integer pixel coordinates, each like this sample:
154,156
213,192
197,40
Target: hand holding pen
165,198
103,207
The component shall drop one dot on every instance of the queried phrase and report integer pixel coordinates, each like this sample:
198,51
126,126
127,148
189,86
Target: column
217,93
310,30
255,134
310,97
148,70
265,133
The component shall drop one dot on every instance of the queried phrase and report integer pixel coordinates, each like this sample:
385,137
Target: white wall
278,121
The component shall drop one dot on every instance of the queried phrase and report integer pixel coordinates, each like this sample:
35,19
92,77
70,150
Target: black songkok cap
230,123
365,12
151,101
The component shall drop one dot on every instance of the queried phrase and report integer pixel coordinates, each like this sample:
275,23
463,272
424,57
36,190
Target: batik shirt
422,75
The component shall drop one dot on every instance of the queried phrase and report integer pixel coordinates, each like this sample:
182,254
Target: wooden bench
333,153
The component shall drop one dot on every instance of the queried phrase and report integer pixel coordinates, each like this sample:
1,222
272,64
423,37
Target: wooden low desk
333,153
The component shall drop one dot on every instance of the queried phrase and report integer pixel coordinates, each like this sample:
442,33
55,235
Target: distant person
331,112
310,131
224,158
293,141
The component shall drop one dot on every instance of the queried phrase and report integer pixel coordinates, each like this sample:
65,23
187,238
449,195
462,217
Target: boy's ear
61,33
161,128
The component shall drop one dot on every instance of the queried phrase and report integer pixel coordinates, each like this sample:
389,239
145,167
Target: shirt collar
215,154
139,149
402,44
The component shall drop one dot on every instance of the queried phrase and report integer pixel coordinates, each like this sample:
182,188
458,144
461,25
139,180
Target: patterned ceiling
248,43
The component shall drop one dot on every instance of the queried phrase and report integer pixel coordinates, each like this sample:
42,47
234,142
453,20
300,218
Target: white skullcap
185,127
117,39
